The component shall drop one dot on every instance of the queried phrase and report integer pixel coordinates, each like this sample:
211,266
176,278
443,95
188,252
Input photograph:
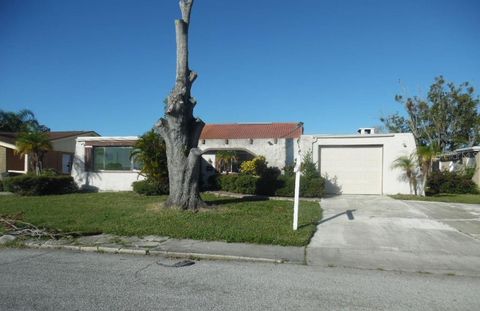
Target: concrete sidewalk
378,232
157,245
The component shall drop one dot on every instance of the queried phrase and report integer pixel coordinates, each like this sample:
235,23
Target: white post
296,200
298,163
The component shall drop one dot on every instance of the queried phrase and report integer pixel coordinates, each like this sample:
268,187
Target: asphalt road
61,280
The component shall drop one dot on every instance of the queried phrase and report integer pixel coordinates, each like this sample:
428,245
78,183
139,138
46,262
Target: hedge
450,182
40,185
272,185
147,187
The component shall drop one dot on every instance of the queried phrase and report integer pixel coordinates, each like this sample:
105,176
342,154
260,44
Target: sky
335,65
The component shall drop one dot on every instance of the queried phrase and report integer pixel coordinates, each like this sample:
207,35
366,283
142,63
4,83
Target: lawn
455,198
127,213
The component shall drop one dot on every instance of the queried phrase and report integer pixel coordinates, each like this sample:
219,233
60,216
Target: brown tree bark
180,129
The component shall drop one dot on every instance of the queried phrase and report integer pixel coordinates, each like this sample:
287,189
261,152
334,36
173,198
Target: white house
460,158
104,163
352,164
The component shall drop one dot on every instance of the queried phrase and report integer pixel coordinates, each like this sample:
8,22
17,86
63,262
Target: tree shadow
230,200
331,185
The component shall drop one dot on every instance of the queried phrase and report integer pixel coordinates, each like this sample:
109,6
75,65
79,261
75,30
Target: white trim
106,138
7,145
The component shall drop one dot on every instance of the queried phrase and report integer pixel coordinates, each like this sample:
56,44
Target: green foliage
239,183
246,184
22,121
36,144
309,169
450,182
1,185
224,160
408,165
448,117
256,166
148,187
150,152
267,184
40,185
309,187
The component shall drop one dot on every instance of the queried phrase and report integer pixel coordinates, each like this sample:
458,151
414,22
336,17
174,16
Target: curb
146,252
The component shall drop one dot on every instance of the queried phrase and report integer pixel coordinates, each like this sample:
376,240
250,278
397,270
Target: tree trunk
180,129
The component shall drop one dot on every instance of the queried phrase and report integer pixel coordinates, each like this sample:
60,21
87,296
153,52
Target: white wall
102,180
394,145
274,153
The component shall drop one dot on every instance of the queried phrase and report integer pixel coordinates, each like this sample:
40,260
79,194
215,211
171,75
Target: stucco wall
101,180
394,145
275,152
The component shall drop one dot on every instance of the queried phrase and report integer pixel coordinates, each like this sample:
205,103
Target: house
58,159
460,158
104,163
359,163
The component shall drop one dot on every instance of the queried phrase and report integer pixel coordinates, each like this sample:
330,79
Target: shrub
227,182
40,185
213,183
450,182
256,166
267,184
1,185
309,188
246,184
148,187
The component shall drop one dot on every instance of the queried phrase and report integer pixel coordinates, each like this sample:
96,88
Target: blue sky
334,65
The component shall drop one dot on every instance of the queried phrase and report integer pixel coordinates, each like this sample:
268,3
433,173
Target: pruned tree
179,128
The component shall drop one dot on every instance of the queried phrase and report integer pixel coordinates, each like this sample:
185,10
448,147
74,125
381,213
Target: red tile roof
252,130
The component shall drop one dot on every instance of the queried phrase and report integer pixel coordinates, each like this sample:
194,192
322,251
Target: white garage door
352,169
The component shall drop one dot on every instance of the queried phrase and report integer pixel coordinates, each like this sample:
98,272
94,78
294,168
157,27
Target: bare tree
179,128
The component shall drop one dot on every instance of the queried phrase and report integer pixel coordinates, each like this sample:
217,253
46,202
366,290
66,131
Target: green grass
128,214
453,198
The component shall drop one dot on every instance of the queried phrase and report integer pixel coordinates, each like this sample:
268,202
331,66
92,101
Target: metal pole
296,201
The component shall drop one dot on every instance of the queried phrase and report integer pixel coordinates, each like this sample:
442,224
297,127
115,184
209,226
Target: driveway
378,232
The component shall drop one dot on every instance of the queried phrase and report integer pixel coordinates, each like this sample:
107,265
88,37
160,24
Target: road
61,280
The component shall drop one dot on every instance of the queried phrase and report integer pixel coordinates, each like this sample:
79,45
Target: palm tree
150,152
408,164
426,155
24,120
225,158
36,144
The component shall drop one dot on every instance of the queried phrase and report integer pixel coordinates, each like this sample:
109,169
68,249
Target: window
114,159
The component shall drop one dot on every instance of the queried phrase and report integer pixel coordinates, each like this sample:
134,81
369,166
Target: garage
354,169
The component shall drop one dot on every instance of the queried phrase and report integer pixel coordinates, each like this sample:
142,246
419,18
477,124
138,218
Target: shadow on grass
227,200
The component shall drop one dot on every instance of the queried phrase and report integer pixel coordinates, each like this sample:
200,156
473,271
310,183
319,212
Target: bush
246,184
238,183
267,184
256,166
227,182
1,185
148,187
450,182
40,185
309,187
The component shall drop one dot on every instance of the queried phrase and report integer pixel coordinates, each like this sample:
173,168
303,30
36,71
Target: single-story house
460,158
59,158
105,164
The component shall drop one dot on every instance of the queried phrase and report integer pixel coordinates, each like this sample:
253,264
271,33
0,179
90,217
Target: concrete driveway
378,232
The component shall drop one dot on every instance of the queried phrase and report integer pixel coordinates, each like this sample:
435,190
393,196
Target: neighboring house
360,163
104,163
58,159
461,158
275,141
